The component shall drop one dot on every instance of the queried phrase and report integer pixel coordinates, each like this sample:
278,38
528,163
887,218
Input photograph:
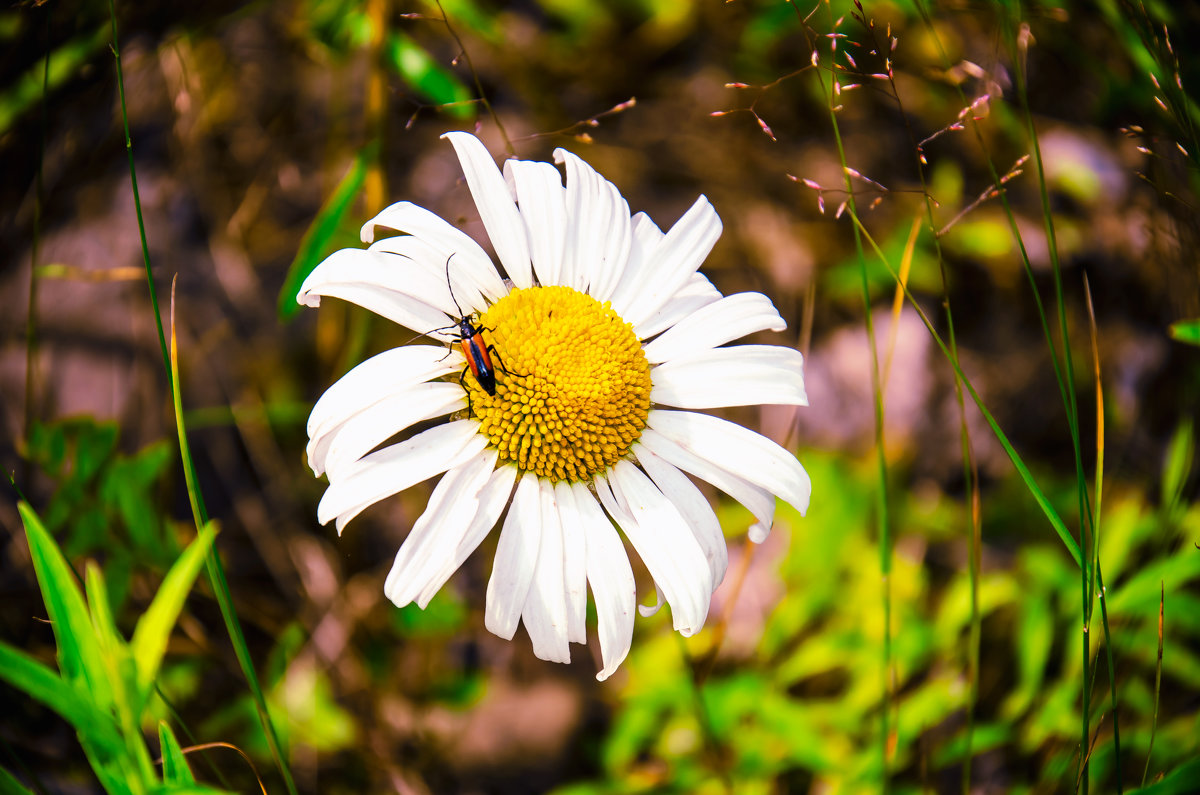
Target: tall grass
866,670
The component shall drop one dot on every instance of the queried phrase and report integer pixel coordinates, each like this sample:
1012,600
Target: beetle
470,339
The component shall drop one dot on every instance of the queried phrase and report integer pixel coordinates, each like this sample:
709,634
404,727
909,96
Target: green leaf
78,648
1186,331
1181,780
9,784
174,763
427,77
1178,464
314,246
154,627
74,704
24,92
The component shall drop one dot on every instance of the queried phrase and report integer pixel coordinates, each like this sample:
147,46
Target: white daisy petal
542,202
601,233
437,533
451,288
394,370
442,238
492,499
545,610
649,611
676,258
377,282
742,375
693,506
574,562
645,237
757,500
611,579
398,467
344,444
666,545
757,458
649,317
694,295
722,321
516,557
501,219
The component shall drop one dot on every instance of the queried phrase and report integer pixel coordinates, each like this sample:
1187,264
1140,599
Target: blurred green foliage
103,682
103,500
797,708
803,706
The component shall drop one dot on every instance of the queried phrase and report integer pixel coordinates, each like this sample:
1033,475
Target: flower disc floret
572,387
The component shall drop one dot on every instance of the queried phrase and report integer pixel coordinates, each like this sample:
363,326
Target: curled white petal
499,214
741,375
757,458
693,506
662,539
759,501
436,534
395,468
722,321
649,611
516,557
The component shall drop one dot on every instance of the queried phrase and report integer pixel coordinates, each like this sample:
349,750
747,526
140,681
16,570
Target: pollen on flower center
572,383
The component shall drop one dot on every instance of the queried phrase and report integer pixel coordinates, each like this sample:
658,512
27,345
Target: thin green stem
1070,400
970,474
137,202
881,502
31,318
1026,476
213,561
1162,598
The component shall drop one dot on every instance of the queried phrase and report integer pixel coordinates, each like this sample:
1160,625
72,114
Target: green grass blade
427,77
213,561
78,647
883,521
9,784
122,678
154,627
137,201
1186,331
174,764
314,246
1162,598
216,573
60,66
73,703
1180,781
1026,476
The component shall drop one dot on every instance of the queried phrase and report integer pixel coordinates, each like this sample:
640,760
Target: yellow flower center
572,383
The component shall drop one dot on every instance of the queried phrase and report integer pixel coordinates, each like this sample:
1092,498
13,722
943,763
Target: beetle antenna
451,286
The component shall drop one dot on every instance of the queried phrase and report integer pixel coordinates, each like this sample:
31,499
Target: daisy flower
570,403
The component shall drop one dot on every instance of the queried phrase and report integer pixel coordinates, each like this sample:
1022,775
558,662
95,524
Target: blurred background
264,134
